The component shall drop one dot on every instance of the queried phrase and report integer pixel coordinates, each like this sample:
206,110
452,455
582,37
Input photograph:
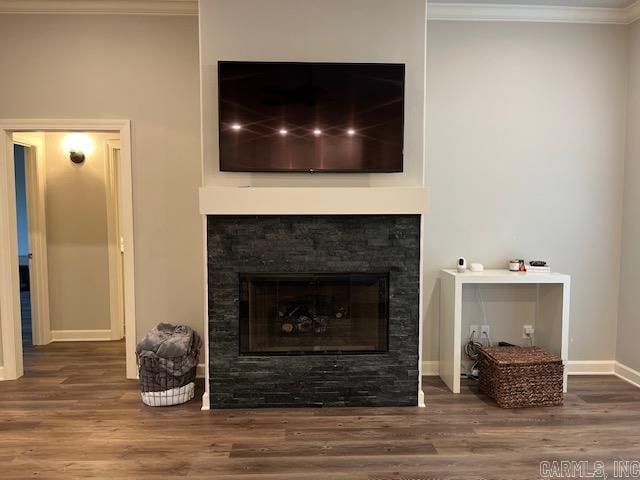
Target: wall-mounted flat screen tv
311,117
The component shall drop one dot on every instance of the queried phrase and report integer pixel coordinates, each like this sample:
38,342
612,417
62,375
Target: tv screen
310,117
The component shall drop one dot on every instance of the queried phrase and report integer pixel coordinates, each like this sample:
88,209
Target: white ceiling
558,3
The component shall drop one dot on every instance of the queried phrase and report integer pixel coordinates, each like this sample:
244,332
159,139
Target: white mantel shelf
312,200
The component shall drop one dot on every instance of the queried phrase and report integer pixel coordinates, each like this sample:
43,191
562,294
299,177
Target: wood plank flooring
73,415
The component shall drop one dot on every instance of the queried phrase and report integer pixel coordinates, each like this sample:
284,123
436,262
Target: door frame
33,143
115,245
10,324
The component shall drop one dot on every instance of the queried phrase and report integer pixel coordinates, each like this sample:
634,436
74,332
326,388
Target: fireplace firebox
314,313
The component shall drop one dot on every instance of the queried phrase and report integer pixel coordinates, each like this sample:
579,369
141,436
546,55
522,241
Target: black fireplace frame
304,244
319,352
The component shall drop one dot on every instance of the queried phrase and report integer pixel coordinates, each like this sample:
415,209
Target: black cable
472,350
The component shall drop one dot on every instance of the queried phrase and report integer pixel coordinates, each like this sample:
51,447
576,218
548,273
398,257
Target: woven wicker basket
521,376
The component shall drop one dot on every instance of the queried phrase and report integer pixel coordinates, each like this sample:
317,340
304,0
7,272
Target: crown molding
633,12
123,7
532,13
435,10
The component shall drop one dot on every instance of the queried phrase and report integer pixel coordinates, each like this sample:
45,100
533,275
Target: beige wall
76,217
142,68
507,102
629,322
525,157
329,30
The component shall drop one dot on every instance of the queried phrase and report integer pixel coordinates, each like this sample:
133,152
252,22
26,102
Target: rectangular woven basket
521,376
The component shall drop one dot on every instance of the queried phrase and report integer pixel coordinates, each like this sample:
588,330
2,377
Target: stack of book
544,269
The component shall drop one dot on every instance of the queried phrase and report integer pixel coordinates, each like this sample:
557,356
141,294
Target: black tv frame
306,170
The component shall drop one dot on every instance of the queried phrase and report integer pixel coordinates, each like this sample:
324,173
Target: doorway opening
23,243
69,255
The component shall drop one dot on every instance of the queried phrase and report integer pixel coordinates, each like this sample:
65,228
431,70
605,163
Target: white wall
629,325
76,217
142,68
309,30
525,158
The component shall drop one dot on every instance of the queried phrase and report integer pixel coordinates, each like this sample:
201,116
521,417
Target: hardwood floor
74,416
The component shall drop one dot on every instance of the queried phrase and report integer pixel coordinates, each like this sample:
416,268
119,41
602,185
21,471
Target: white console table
551,323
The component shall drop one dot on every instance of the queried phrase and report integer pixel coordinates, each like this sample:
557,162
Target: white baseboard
590,367
430,368
80,335
421,403
574,367
1,373
627,373
206,405
200,373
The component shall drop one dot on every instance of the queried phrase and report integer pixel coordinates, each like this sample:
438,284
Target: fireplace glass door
314,313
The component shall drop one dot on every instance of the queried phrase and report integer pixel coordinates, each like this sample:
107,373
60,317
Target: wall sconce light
76,157
79,145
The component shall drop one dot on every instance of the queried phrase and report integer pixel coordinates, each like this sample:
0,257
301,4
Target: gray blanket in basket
169,350
168,341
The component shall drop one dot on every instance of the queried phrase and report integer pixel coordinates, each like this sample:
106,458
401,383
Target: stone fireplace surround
303,244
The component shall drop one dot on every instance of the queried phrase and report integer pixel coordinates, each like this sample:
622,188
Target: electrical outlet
485,331
474,330
528,331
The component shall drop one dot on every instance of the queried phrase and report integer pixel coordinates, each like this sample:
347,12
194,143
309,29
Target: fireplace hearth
313,313
313,310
